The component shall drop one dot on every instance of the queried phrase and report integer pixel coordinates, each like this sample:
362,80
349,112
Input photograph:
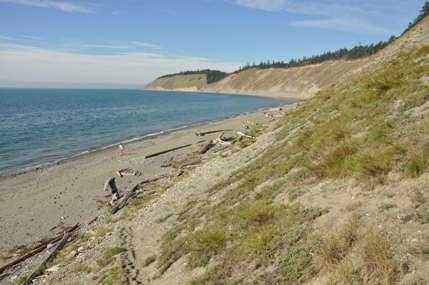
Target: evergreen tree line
423,13
341,54
211,75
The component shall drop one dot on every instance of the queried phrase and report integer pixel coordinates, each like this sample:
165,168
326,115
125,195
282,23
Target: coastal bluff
297,82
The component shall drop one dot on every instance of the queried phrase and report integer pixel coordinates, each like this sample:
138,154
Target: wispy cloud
147,45
267,5
31,37
349,16
28,63
345,24
5,38
64,6
108,46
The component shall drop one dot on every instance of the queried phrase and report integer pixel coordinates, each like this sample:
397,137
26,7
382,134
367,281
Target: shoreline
137,139
37,203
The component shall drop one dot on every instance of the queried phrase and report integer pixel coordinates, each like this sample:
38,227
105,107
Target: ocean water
40,126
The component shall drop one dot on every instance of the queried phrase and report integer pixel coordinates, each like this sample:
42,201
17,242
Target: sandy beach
38,203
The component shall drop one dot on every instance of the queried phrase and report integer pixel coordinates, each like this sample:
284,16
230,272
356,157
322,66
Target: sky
129,43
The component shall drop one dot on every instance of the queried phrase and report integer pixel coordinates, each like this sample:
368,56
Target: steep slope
336,192
299,82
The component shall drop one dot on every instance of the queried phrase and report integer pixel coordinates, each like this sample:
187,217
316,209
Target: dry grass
362,131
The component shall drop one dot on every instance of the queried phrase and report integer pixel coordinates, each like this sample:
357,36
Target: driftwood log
128,171
200,134
44,261
58,247
205,147
122,201
36,249
110,184
193,162
240,134
165,151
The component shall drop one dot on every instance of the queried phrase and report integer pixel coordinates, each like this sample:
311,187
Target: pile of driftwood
122,200
43,244
222,141
119,201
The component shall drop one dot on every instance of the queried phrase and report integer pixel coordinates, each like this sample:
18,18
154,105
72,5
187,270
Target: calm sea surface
39,126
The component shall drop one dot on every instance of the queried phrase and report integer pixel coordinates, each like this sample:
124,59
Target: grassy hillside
369,135
179,83
334,192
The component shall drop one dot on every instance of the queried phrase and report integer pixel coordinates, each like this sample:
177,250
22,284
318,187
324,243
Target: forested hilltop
298,78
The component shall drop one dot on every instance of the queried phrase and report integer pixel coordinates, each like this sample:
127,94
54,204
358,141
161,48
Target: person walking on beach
121,148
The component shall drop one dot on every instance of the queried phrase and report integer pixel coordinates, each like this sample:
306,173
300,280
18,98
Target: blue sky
118,43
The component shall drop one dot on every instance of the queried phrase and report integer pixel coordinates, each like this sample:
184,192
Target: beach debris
247,124
110,184
193,162
42,245
122,202
57,248
279,113
241,135
205,147
168,150
200,134
128,171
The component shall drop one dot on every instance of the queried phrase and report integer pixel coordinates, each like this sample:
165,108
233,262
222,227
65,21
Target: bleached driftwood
240,134
110,184
219,141
128,171
247,124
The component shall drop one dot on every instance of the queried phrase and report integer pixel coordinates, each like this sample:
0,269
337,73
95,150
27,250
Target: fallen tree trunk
38,248
205,147
122,201
56,249
165,151
210,132
244,135
190,163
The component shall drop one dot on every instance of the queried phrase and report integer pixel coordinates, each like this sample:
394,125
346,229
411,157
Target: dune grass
363,130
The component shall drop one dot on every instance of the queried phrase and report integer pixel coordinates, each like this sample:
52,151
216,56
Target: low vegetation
260,231
363,130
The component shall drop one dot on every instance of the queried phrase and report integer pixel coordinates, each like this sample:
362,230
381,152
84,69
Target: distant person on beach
121,148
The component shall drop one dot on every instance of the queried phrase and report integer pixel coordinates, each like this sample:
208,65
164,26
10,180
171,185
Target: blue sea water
39,126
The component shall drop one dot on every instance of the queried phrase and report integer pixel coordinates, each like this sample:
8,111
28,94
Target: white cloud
267,5
27,63
64,6
140,44
345,24
108,46
361,16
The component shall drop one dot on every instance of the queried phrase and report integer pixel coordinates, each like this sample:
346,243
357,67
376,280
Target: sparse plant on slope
363,131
